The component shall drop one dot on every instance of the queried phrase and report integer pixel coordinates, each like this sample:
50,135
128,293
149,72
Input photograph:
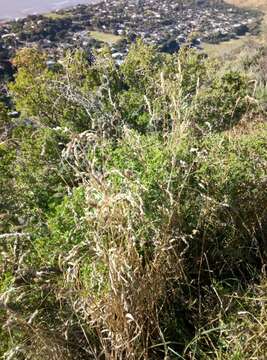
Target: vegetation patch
132,207
105,37
55,15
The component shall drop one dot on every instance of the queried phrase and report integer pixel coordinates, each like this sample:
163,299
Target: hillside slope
261,4
253,4
235,47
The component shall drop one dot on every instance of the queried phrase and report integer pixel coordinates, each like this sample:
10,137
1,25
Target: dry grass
225,48
133,290
248,334
261,4
105,37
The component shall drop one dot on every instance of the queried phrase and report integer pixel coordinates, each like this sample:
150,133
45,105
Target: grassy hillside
132,207
105,37
253,4
261,4
235,46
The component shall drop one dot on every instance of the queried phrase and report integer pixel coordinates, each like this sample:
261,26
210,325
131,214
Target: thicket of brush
134,209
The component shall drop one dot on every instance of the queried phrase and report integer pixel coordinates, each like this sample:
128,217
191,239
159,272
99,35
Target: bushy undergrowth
133,210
